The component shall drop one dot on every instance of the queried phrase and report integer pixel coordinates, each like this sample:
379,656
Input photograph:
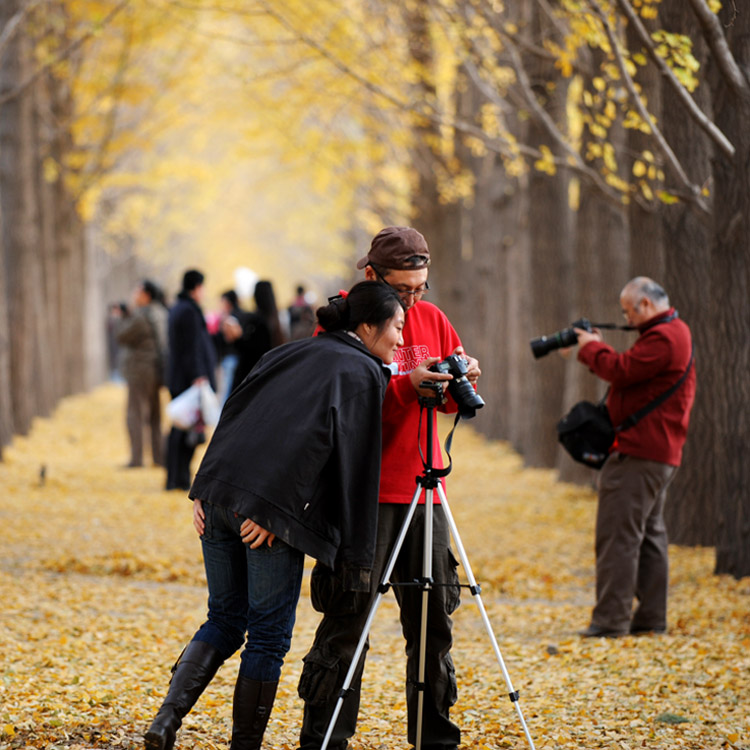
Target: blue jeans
252,595
228,366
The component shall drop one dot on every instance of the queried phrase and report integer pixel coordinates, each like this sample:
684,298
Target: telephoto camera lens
543,345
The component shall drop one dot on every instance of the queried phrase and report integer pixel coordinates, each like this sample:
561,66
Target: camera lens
545,344
465,396
462,391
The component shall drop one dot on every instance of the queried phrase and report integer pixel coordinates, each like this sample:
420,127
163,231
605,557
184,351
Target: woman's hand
199,517
255,535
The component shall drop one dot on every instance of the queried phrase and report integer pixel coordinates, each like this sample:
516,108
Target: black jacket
191,351
251,346
297,449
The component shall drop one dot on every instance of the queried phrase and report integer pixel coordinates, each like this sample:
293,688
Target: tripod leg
474,588
426,588
382,588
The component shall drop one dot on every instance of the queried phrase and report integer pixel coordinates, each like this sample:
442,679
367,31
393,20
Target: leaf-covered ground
101,584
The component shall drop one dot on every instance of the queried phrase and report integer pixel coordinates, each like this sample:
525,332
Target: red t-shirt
656,361
427,333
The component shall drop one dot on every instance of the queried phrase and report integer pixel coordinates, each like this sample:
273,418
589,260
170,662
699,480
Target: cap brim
362,263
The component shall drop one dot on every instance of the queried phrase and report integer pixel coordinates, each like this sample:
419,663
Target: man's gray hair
642,286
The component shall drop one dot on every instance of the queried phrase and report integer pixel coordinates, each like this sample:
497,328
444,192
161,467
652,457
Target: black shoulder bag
587,432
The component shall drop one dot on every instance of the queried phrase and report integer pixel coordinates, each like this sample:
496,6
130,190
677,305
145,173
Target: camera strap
613,327
633,419
439,473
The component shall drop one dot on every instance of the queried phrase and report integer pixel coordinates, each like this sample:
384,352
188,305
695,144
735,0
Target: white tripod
429,481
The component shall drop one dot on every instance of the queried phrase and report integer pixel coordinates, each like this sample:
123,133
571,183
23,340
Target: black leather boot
190,675
253,701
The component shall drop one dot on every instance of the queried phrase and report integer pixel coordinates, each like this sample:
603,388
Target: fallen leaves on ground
101,584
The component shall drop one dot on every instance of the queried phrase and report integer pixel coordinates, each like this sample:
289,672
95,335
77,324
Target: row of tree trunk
41,246
513,263
517,262
53,285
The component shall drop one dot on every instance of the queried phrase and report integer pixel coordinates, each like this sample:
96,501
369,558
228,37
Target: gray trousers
144,411
345,613
631,545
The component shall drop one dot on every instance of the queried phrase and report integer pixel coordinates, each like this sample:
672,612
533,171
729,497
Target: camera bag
587,432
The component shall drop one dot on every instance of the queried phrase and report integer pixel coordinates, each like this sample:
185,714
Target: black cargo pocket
451,693
453,592
319,681
327,593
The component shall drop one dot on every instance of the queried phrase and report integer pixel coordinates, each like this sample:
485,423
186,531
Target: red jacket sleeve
643,361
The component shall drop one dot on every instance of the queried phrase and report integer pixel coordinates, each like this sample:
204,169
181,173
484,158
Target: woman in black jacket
292,469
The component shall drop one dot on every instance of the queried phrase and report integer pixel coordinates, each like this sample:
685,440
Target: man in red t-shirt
631,538
399,257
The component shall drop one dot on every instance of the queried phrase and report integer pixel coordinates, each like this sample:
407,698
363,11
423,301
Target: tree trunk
730,310
691,509
49,322
6,413
549,287
70,256
647,245
20,221
486,279
440,223
601,267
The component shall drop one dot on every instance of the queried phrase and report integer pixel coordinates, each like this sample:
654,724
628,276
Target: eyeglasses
404,293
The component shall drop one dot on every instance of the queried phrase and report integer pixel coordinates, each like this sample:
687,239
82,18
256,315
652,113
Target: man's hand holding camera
458,373
472,365
424,371
586,337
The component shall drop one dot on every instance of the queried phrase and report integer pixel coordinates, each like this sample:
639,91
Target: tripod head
431,402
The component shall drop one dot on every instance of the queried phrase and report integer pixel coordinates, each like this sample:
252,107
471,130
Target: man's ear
370,274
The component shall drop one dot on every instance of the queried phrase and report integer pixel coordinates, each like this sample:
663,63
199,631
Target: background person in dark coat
292,469
192,359
265,306
142,337
251,338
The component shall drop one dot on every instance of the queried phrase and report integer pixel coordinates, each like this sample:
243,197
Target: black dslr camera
460,388
559,340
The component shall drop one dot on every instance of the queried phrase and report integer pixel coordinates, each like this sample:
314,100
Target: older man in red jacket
631,538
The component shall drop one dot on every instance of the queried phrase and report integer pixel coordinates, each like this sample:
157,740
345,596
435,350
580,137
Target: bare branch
717,41
573,158
335,61
14,22
62,55
658,136
695,111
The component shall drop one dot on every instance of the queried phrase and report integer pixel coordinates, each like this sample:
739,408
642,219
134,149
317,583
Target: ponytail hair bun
370,302
335,315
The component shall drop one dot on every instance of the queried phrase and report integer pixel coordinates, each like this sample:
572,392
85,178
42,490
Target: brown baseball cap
393,246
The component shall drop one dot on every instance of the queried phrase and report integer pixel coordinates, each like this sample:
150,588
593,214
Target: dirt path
101,585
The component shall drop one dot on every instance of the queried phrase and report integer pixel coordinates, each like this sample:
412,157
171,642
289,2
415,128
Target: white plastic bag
184,410
210,407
